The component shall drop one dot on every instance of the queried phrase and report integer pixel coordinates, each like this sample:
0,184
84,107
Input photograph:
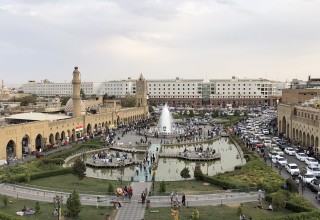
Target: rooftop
36,116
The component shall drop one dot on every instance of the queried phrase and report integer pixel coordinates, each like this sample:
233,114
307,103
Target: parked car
301,156
265,131
307,177
314,185
310,161
272,153
292,168
290,151
314,169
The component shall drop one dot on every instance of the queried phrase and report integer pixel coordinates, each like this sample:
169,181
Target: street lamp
57,201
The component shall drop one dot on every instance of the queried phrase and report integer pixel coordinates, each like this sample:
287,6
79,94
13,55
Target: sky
163,39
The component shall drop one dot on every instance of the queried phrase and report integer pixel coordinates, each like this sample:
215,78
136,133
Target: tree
162,187
79,169
26,100
185,173
128,102
82,94
64,100
73,204
151,109
198,172
191,113
215,114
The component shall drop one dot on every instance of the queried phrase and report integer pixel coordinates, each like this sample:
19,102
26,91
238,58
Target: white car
281,160
310,161
267,142
280,152
265,131
314,169
272,154
301,156
292,168
290,151
307,177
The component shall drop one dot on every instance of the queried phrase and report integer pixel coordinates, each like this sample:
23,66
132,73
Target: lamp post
57,201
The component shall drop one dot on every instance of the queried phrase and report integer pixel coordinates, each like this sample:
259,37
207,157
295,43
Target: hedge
225,183
56,161
297,208
300,216
5,216
292,185
21,177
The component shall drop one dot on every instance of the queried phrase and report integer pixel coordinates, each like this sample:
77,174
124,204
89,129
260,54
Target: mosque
31,132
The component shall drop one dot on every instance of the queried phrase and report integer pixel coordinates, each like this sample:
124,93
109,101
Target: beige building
23,138
299,120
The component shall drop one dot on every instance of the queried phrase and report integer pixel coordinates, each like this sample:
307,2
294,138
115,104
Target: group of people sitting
25,211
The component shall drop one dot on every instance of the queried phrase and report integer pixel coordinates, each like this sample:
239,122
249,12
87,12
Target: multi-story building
177,92
47,88
298,116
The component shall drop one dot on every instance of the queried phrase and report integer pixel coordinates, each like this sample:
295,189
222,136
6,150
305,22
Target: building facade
300,121
19,139
179,92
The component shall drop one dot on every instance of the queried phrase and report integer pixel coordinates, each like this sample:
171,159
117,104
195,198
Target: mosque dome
69,106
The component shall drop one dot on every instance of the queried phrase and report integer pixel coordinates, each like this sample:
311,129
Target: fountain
166,127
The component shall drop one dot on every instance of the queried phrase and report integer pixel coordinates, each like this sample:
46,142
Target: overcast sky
195,39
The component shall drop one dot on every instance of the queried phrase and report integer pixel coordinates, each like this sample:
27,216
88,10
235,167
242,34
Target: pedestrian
183,200
171,197
130,192
143,197
146,175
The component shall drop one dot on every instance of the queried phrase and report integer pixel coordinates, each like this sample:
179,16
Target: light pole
57,201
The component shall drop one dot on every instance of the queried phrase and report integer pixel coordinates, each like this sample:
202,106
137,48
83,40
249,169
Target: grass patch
228,212
70,182
46,210
190,187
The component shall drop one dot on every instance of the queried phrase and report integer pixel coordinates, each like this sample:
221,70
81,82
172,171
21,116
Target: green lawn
69,182
190,187
228,212
46,210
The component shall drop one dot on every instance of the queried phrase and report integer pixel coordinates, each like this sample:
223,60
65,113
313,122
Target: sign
79,129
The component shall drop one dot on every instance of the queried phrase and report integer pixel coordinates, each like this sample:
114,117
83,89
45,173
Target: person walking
130,192
183,200
143,197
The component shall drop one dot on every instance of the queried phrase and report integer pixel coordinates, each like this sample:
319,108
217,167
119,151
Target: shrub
162,187
27,177
195,214
291,185
5,200
110,188
56,161
239,210
197,172
37,207
5,216
279,200
185,173
297,208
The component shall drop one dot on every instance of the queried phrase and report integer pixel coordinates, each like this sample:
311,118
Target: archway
304,139
279,126
38,142
25,144
11,147
73,135
51,139
95,128
293,133
63,136
57,138
312,141
316,145
284,122
300,137
288,131
68,135
308,140
89,131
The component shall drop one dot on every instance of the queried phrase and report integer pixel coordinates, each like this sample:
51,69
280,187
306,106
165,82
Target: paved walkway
132,210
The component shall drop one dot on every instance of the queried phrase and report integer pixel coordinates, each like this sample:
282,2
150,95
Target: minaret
142,92
76,81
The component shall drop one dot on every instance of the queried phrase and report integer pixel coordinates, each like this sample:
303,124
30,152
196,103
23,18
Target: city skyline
114,40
